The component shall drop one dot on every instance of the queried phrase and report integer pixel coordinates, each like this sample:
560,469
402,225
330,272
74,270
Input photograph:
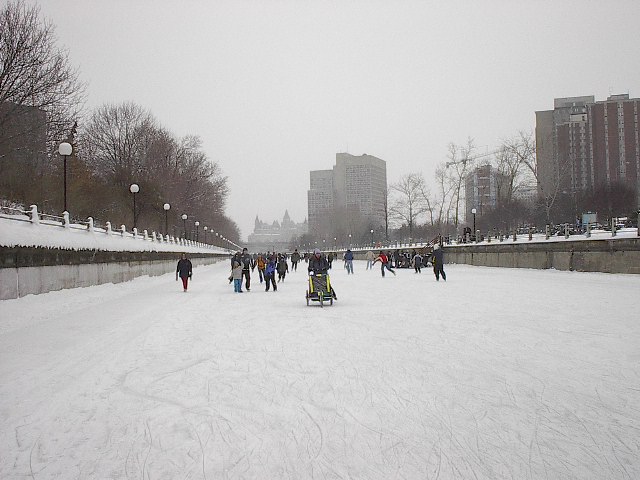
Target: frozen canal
495,374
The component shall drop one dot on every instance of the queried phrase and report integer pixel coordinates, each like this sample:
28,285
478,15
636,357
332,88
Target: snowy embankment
14,232
496,374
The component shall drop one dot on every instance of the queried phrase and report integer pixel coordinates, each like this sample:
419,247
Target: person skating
261,264
295,258
270,274
370,258
236,272
247,263
348,261
282,267
417,261
437,259
184,270
384,263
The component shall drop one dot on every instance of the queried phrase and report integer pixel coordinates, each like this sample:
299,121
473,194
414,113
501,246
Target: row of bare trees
115,145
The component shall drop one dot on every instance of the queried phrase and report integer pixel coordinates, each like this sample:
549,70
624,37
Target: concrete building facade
356,183
583,144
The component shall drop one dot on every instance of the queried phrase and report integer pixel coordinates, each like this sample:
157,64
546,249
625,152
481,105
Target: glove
176,277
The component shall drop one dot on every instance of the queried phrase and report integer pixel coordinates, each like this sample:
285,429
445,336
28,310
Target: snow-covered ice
495,374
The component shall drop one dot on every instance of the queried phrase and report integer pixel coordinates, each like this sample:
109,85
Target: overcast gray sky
276,88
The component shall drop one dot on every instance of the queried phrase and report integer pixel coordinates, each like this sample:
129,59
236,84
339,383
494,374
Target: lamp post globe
65,149
166,207
197,224
184,225
473,211
371,237
134,188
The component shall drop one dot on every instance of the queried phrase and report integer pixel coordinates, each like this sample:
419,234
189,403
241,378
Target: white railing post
35,218
135,233
66,222
146,235
90,219
108,228
123,230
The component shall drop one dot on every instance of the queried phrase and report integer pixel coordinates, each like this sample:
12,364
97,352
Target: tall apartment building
480,187
355,183
583,144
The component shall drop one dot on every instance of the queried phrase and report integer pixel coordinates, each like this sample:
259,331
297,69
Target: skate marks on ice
402,379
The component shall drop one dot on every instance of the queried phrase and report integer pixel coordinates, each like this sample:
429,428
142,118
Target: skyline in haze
275,89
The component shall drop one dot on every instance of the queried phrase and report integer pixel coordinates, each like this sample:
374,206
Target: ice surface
495,374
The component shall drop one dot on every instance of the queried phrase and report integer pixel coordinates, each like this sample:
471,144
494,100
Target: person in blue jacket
348,261
270,274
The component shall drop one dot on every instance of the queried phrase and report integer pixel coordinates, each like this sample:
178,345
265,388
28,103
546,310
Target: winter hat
316,251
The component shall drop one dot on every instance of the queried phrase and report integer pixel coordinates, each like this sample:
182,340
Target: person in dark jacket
184,270
247,264
282,267
318,264
295,258
437,259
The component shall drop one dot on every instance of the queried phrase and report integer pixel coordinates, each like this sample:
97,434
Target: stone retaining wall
25,271
608,256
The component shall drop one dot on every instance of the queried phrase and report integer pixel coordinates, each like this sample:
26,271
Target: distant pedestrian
184,270
282,267
261,264
236,272
384,263
295,258
247,264
437,259
370,258
417,261
348,261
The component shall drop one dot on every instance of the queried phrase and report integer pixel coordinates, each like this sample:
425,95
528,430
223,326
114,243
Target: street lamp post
372,238
166,207
473,211
134,188
65,150
205,233
184,225
197,225
349,240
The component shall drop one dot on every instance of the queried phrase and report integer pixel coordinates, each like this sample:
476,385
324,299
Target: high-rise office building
583,144
355,184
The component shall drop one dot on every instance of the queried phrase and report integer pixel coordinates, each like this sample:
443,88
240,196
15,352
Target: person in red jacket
384,261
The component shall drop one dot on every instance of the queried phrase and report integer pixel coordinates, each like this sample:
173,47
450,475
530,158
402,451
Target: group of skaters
274,264
268,265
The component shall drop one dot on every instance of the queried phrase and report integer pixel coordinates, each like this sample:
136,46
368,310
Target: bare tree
410,201
523,148
460,160
35,73
445,194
